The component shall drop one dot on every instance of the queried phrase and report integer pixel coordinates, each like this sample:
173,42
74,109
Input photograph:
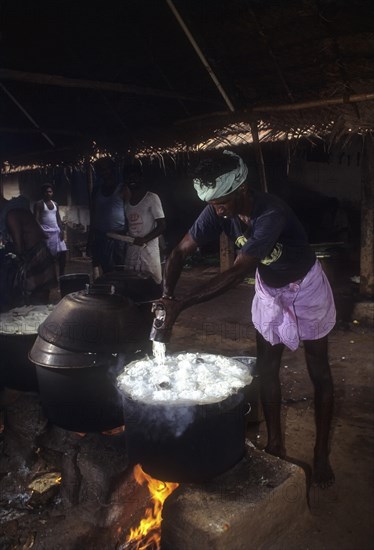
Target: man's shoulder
152,195
264,202
39,205
207,217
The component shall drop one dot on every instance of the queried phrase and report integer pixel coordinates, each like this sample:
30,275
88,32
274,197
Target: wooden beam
259,156
367,220
352,98
200,54
227,252
244,115
26,113
61,81
8,130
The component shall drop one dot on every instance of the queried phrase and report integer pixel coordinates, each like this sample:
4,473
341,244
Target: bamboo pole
352,98
203,59
259,156
227,249
27,115
244,114
56,80
8,130
226,252
89,183
200,54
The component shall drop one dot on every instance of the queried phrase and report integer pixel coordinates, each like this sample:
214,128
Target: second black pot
81,400
185,443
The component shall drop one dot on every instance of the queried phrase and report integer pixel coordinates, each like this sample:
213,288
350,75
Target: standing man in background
146,221
107,215
47,214
33,273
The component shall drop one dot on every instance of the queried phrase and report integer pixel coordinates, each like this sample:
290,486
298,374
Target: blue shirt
109,210
274,235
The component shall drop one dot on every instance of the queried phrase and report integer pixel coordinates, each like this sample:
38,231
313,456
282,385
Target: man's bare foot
323,476
114,431
275,450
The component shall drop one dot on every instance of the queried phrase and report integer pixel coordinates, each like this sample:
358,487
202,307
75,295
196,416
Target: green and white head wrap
222,185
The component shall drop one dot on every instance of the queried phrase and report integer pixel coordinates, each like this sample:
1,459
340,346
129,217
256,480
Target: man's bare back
24,230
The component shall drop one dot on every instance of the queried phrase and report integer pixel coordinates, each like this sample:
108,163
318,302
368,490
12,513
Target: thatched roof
124,75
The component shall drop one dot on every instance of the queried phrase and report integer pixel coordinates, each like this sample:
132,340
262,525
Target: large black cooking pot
82,399
84,341
73,282
185,443
16,370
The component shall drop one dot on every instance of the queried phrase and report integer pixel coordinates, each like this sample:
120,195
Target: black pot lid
45,354
95,320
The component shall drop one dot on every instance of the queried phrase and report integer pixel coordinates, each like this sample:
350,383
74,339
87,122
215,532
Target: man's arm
217,285
175,262
156,232
222,282
58,217
59,222
37,211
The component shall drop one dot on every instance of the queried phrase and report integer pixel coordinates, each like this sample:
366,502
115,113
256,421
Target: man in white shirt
146,222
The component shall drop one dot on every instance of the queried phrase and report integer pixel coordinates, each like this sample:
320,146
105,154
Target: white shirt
141,219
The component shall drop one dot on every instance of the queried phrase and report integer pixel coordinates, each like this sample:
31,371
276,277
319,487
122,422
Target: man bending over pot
293,300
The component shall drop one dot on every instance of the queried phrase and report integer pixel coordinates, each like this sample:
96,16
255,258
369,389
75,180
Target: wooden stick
8,130
353,98
242,116
259,157
27,115
202,57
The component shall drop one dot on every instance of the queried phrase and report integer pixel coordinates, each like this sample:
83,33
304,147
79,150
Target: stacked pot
79,350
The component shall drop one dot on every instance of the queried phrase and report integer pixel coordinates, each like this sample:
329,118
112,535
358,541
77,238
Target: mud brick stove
97,501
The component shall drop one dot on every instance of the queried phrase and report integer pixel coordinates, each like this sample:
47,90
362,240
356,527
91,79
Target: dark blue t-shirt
274,235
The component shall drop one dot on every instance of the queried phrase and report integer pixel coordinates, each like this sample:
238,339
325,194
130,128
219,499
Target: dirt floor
341,517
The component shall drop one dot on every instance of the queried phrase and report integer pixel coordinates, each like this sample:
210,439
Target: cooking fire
148,532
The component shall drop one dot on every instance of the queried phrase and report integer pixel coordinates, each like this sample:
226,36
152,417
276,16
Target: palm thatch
179,75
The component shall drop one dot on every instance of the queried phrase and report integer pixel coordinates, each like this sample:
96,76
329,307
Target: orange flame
148,532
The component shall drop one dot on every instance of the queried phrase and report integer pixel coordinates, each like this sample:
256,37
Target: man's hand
166,311
139,241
